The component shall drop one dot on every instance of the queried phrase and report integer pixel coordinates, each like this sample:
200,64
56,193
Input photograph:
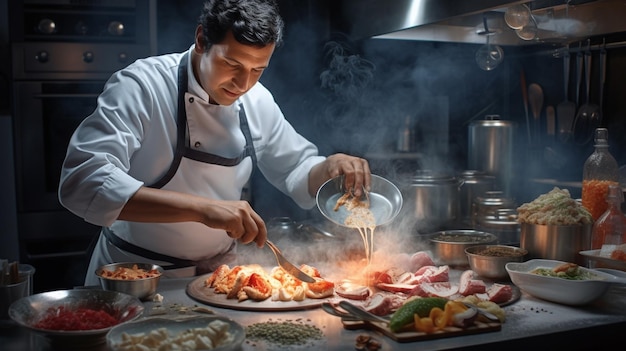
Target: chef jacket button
197,144
191,99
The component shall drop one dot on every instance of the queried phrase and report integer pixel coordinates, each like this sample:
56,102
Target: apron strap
181,125
140,251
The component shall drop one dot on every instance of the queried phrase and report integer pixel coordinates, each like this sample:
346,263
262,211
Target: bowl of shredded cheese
136,279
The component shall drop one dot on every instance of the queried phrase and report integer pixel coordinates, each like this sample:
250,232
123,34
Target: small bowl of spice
489,261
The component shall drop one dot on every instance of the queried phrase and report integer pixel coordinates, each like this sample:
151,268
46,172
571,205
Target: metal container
449,246
139,288
432,200
384,197
475,183
493,266
490,145
503,223
556,242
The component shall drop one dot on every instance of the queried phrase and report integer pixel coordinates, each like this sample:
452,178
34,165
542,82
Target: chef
161,162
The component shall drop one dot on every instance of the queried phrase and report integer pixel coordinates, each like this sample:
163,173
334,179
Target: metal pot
556,242
432,200
475,184
503,223
491,149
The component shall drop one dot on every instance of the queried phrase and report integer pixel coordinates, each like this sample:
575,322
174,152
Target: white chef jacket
129,141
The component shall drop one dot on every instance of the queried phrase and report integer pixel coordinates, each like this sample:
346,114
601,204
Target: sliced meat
420,259
500,293
436,274
440,289
469,286
379,304
352,291
396,288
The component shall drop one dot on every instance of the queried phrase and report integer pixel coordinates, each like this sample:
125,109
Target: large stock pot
432,200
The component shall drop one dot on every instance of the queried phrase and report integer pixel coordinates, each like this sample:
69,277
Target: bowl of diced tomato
77,317
137,279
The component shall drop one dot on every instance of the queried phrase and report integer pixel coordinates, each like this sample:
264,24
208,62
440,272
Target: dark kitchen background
337,80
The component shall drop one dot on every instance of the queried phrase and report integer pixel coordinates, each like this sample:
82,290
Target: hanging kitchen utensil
517,16
488,56
550,123
566,110
535,98
597,119
579,75
582,123
525,98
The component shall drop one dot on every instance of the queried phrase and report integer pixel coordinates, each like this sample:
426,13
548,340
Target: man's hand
237,218
356,172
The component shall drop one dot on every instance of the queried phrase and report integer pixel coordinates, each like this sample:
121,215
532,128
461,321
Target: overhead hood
564,21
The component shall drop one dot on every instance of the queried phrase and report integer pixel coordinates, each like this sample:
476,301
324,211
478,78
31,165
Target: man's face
229,69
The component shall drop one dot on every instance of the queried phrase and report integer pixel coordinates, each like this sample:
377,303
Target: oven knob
88,56
42,56
81,28
122,57
46,26
116,28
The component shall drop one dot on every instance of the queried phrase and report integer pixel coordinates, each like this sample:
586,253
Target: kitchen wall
392,79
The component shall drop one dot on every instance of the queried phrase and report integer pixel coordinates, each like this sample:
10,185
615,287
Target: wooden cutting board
410,336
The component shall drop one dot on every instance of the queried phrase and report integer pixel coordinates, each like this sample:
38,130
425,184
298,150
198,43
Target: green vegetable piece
420,306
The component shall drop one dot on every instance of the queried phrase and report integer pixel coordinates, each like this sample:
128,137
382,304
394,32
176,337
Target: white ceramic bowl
559,290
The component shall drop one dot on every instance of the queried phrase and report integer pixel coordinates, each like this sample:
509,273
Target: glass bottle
610,229
600,171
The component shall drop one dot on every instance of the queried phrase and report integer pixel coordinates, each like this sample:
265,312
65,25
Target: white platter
607,262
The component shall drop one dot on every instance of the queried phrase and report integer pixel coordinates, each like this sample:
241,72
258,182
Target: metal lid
430,177
495,198
476,177
491,121
501,218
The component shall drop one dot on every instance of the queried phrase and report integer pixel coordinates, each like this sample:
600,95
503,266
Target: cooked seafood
253,282
570,271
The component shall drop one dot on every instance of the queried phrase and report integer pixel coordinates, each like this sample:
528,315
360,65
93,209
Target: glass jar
600,171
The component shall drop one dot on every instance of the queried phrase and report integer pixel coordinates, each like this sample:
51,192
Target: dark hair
252,22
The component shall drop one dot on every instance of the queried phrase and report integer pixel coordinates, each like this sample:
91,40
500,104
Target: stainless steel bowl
490,265
140,288
449,246
29,310
385,200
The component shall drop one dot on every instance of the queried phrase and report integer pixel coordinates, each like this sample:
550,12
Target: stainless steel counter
531,323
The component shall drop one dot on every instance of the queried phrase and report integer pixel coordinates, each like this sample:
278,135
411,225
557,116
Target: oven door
52,239
47,115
